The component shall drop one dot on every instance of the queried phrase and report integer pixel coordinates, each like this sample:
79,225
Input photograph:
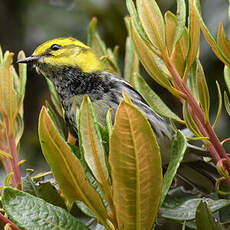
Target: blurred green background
25,24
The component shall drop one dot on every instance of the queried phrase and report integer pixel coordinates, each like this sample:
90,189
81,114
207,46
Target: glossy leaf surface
136,169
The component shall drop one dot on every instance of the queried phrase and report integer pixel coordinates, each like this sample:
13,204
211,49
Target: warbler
75,71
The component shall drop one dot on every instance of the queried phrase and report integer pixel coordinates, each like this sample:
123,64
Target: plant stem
4,220
214,146
16,179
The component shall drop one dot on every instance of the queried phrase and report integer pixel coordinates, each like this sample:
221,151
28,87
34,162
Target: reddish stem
16,179
216,149
4,220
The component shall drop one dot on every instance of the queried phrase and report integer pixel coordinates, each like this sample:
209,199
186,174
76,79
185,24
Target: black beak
29,59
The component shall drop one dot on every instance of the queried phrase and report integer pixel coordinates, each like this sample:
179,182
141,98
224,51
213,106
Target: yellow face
68,52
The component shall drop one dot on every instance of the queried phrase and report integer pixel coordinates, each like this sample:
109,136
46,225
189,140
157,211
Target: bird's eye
55,47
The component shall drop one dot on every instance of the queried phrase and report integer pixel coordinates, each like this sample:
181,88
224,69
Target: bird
75,70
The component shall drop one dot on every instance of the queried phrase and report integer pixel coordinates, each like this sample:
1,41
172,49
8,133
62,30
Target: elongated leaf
194,35
180,21
203,90
189,121
29,212
227,77
66,168
193,82
136,169
94,40
131,62
227,103
209,38
92,143
136,21
178,51
223,42
187,210
178,149
170,27
8,97
54,97
109,122
152,22
153,99
220,103
22,75
204,219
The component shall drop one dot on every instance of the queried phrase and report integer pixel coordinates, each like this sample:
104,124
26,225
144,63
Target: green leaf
109,121
218,115
8,96
178,52
227,103
193,82
131,62
136,21
152,22
19,128
29,212
49,193
203,91
189,121
29,186
54,97
150,62
67,169
153,99
136,169
180,21
84,209
22,75
223,42
92,144
209,38
91,141
94,40
194,36
187,210
204,219
227,77
178,149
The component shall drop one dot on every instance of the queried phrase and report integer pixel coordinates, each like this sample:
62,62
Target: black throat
71,81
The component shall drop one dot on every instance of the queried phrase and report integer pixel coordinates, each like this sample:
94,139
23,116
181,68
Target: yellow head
65,52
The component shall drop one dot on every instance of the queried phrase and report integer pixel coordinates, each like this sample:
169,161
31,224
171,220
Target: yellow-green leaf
22,75
8,97
180,21
227,103
131,62
170,27
194,38
227,77
219,110
136,169
152,22
91,141
189,121
153,99
209,38
147,58
136,20
178,51
94,40
178,149
66,168
223,42
203,90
